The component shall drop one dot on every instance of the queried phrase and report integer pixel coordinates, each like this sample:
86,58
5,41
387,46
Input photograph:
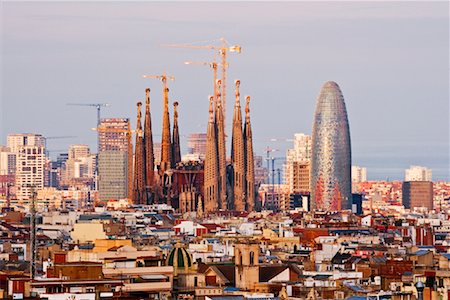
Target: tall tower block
331,152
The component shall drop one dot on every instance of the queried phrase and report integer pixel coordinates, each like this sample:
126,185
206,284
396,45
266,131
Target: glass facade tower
331,152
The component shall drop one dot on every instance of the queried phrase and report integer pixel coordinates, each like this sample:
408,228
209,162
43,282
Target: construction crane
213,65
222,48
128,133
47,152
164,77
268,151
98,106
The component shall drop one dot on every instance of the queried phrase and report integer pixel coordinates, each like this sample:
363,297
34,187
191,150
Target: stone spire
211,176
237,155
148,139
139,191
220,127
176,152
249,161
166,147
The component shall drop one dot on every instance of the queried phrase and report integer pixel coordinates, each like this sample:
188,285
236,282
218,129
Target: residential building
418,173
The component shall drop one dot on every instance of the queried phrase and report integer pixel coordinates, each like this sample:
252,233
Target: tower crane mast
222,48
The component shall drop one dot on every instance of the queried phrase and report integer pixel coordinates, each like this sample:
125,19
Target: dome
179,258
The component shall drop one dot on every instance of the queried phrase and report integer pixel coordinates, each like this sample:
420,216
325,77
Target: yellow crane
222,48
213,65
128,133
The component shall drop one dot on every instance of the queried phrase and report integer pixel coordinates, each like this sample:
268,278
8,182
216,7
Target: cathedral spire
139,193
166,147
211,176
148,139
249,162
221,147
176,152
237,154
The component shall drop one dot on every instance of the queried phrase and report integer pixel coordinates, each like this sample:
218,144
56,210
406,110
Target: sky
390,59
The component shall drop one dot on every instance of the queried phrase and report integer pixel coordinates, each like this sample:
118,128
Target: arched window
252,258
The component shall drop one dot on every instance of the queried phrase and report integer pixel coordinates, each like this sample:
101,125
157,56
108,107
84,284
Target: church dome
179,258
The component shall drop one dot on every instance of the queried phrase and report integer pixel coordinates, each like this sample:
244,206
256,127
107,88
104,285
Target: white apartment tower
359,174
30,166
7,161
29,149
418,173
17,140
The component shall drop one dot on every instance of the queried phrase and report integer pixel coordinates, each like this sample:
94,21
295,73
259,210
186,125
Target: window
252,258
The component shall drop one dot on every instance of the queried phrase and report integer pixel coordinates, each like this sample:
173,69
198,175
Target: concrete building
114,159
418,173
7,161
29,171
197,144
17,140
331,152
417,194
359,174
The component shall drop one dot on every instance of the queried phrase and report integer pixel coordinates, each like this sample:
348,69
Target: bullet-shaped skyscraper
331,152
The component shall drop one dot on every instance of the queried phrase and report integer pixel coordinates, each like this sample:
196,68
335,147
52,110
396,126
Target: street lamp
420,287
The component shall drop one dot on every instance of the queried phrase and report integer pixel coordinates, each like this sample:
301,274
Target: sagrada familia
217,183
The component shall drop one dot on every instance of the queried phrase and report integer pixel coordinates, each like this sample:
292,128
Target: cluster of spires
227,185
232,186
148,188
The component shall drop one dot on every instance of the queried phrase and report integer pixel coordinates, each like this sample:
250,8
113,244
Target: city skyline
389,91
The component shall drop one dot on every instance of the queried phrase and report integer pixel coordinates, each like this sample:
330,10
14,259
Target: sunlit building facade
331,152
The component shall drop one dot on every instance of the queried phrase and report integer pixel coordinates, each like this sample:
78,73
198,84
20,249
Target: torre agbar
331,153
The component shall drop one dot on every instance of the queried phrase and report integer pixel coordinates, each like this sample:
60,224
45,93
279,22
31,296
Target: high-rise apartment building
418,173
417,194
359,174
114,158
7,161
331,152
15,141
79,165
29,150
29,171
197,144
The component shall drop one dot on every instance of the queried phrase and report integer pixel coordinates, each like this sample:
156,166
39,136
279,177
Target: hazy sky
391,60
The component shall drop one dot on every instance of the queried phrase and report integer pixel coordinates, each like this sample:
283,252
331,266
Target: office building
417,194
114,159
331,152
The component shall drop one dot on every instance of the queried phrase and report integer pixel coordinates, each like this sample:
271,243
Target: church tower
176,152
211,168
246,258
221,148
139,190
249,161
166,145
237,155
148,141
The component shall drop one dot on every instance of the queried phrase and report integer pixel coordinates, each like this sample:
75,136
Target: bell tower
246,258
